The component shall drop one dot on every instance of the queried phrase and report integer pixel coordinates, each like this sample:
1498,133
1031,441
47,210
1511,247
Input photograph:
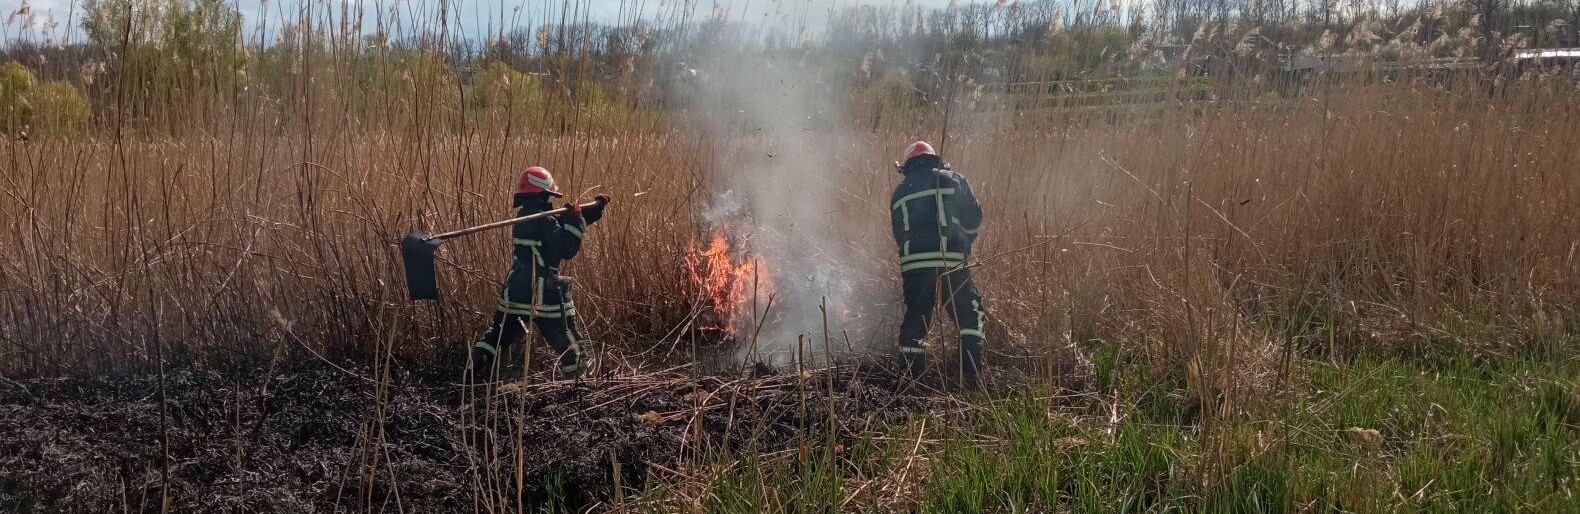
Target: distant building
1547,53
1546,60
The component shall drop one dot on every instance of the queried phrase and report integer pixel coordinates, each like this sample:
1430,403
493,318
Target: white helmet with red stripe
918,148
537,180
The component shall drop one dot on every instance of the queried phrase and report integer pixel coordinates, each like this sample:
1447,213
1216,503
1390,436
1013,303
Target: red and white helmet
918,148
537,180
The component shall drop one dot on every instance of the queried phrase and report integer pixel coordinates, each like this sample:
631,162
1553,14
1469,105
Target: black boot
482,367
970,381
573,363
913,361
971,363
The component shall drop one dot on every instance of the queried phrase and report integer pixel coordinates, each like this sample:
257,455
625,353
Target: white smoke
775,119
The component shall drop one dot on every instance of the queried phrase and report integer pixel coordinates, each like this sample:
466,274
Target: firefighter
533,288
936,220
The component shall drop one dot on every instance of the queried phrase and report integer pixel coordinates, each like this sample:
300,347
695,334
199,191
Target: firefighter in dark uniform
935,220
533,289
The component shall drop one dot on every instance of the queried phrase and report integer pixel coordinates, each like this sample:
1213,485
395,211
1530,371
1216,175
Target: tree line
155,64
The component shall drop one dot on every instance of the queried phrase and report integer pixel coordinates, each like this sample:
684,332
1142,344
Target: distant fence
1292,74
1103,92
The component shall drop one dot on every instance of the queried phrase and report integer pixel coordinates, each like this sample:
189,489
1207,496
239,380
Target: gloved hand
595,212
575,209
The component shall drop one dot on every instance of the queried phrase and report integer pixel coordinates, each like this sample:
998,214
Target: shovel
417,250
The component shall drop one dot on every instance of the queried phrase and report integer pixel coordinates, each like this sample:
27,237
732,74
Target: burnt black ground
291,440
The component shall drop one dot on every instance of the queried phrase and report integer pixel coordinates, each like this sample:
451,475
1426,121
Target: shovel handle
511,221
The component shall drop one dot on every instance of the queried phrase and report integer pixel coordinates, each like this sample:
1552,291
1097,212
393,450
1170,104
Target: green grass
1459,434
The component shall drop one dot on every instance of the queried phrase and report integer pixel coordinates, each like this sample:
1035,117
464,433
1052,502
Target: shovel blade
417,251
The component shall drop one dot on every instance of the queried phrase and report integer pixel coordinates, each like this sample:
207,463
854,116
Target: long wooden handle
511,221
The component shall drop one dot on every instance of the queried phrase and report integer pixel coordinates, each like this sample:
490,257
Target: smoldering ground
315,438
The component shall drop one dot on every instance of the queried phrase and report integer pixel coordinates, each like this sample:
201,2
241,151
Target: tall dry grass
1381,214
202,211
1392,216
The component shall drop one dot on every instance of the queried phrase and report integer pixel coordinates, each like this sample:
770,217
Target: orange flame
726,280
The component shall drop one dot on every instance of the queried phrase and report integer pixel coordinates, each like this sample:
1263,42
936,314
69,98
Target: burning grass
729,284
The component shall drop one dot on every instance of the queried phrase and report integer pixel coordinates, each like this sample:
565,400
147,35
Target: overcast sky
475,16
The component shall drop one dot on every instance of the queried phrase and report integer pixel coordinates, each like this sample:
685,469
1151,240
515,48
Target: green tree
105,21
16,84
195,32
435,94
58,108
501,87
180,56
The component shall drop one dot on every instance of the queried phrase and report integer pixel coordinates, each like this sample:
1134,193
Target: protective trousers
924,288
546,302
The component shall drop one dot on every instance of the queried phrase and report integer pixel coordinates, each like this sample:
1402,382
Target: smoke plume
777,120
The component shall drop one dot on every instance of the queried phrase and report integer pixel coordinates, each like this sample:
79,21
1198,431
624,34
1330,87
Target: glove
595,213
573,208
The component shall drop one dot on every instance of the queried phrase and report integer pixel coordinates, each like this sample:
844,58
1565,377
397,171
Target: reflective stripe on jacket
935,216
548,242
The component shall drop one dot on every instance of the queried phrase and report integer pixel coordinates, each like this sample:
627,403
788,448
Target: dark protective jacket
935,216
533,288
545,243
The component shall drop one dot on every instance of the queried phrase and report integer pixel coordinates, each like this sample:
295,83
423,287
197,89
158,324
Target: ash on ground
309,439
